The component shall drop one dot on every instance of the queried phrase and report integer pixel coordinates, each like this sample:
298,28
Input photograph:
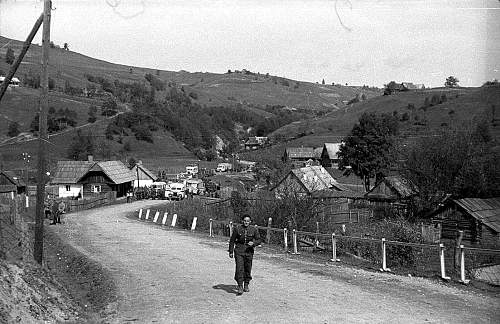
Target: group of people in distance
54,209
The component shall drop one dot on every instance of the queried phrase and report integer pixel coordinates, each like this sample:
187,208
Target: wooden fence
90,202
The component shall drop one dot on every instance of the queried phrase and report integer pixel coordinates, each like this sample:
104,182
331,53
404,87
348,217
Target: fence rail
425,259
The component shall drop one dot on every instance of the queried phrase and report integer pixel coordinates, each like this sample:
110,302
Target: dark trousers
56,218
243,272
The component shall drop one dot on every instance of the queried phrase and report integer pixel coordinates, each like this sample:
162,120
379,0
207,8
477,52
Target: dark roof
485,210
252,141
300,152
15,179
68,172
404,188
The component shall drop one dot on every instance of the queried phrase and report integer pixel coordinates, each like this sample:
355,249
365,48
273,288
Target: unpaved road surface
172,276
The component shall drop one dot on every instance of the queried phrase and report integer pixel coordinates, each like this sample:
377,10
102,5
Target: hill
415,109
73,77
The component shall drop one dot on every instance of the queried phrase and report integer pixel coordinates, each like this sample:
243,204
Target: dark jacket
240,238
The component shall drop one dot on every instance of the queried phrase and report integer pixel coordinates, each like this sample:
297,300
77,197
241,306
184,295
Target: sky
356,42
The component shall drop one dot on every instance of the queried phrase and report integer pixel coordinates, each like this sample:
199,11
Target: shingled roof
115,170
485,210
300,152
70,172
316,178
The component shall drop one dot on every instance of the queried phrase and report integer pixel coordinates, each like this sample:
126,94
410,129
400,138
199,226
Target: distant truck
224,167
158,190
192,170
176,191
195,186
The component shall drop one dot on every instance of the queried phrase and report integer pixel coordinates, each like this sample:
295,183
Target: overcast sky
361,42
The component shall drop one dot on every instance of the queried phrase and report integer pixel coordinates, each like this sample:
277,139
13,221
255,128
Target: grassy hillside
252,91
461,105
211,89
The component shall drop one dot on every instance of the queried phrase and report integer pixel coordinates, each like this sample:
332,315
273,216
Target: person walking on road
241,247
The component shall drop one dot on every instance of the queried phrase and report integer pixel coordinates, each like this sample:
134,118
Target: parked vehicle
192,169
224,166
158,190
176,191
195,186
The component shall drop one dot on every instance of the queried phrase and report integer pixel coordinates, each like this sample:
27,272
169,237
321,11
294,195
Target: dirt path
174,276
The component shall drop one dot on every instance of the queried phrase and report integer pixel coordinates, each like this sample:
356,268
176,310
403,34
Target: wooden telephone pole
42,134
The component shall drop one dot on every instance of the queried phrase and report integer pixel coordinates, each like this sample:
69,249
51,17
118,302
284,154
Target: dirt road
170,276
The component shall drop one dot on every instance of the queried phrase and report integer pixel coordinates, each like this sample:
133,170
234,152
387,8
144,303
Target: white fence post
334,249
441,258
174,220
147,214
210,225
384,257
193,224
462,266
140,213
164,221
285,239
157,214
295,249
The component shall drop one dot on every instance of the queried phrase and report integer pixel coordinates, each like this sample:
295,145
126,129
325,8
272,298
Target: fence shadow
230,289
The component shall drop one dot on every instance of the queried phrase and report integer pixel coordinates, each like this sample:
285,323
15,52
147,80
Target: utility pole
42,134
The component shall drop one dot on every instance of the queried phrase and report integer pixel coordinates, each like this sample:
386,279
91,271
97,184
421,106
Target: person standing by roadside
61,209
55,212
241,247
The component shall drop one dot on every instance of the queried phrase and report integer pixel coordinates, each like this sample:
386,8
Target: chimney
90,158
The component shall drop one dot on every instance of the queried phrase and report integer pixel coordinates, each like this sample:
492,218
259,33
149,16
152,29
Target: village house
329,158
11,184
301,156
413,86
87,178
306,181
255,142
142,176
479,219
393,192
14,82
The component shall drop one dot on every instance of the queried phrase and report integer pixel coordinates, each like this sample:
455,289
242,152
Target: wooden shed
478,218
11,184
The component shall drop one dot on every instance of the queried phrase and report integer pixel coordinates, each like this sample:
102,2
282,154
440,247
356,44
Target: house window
68,188
96,188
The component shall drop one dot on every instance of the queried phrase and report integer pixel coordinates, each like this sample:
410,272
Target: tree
92,114
13,129
81,146
462,162
323,82
9,56
367,150
109,107
451,82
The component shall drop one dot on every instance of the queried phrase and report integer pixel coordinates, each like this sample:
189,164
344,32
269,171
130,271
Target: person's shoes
245,288
240,290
